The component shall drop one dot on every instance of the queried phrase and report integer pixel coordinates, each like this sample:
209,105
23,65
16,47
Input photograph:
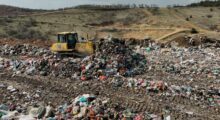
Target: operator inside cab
69,38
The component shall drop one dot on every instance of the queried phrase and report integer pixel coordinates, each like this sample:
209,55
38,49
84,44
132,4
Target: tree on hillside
206,3
154,9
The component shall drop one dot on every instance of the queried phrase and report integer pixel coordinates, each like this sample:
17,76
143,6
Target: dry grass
134,23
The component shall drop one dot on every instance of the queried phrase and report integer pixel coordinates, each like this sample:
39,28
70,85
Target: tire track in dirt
66,89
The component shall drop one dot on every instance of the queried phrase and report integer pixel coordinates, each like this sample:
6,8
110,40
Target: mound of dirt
194,40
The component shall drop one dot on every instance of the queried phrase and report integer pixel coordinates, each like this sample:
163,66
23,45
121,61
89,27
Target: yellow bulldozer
68,43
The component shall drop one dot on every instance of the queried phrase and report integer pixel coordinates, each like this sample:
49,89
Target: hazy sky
54,4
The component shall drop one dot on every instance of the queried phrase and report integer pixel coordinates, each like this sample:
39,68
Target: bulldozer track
137,100
173,35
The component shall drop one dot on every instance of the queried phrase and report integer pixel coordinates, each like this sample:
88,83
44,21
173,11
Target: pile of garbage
114,57
85,106
23,49
183,61
111,58
187,73
210,95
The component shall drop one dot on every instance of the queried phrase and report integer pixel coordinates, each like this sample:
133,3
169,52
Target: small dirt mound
193,40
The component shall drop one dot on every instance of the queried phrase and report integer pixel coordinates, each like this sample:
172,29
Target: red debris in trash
102,77
83,78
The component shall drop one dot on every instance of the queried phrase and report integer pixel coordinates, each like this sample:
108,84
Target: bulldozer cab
70,38
68,43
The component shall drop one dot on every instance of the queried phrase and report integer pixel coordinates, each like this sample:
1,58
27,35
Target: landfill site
114,74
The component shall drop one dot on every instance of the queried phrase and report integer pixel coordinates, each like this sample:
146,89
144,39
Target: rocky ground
181,83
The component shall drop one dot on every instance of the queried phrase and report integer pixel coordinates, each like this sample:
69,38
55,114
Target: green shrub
25,30
194,31
154,10
209,16
8,20
3,22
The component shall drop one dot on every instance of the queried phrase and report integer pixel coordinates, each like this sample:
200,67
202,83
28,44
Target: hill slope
126,23
6,10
